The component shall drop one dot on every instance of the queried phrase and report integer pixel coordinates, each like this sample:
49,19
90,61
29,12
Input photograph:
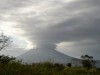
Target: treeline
9,66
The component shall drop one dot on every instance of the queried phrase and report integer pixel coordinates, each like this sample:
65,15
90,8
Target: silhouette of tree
4,41
6,59
87,61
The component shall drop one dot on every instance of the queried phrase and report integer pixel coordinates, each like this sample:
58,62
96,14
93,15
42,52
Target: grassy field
16,68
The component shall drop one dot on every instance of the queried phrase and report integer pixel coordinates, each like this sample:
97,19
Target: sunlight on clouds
22,42
8,29
32,9
69,0
26,10
65,45
30,45
5,15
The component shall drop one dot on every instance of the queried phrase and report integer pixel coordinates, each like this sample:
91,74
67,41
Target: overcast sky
69,26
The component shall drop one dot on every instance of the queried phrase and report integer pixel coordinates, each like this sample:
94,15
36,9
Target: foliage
69,64
46,68
6,59
87,61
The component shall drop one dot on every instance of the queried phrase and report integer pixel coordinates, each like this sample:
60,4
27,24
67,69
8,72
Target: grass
16,68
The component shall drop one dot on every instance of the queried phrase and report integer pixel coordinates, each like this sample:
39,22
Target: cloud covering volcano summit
70,26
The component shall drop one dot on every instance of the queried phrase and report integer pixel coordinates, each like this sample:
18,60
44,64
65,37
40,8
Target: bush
6,59
69,64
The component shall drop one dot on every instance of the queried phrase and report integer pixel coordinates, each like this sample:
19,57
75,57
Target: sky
69,26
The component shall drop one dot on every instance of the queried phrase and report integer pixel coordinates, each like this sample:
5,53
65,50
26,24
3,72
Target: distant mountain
37,55
43,55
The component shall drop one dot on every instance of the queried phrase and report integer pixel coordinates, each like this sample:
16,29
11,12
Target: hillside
37,55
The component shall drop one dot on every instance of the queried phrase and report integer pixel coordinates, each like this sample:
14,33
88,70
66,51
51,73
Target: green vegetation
13,67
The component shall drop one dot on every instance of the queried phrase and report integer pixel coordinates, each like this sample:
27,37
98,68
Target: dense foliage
17,68
6,59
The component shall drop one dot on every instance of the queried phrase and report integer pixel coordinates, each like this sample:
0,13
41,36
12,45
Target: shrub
69,64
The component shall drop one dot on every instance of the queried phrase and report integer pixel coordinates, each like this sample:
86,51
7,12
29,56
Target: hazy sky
70,26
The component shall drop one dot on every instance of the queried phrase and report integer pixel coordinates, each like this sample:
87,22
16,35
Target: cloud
50,22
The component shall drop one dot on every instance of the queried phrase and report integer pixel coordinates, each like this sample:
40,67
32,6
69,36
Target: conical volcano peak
44,54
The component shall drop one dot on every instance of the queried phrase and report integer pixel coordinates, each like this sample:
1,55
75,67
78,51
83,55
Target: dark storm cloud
50,22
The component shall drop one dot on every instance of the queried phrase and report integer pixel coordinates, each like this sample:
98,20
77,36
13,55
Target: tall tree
87,61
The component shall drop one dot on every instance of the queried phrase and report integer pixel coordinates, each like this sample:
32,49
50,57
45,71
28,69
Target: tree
4,41
69,64
87,61
6,59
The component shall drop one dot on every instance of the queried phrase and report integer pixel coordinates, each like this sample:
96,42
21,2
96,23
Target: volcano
43,55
